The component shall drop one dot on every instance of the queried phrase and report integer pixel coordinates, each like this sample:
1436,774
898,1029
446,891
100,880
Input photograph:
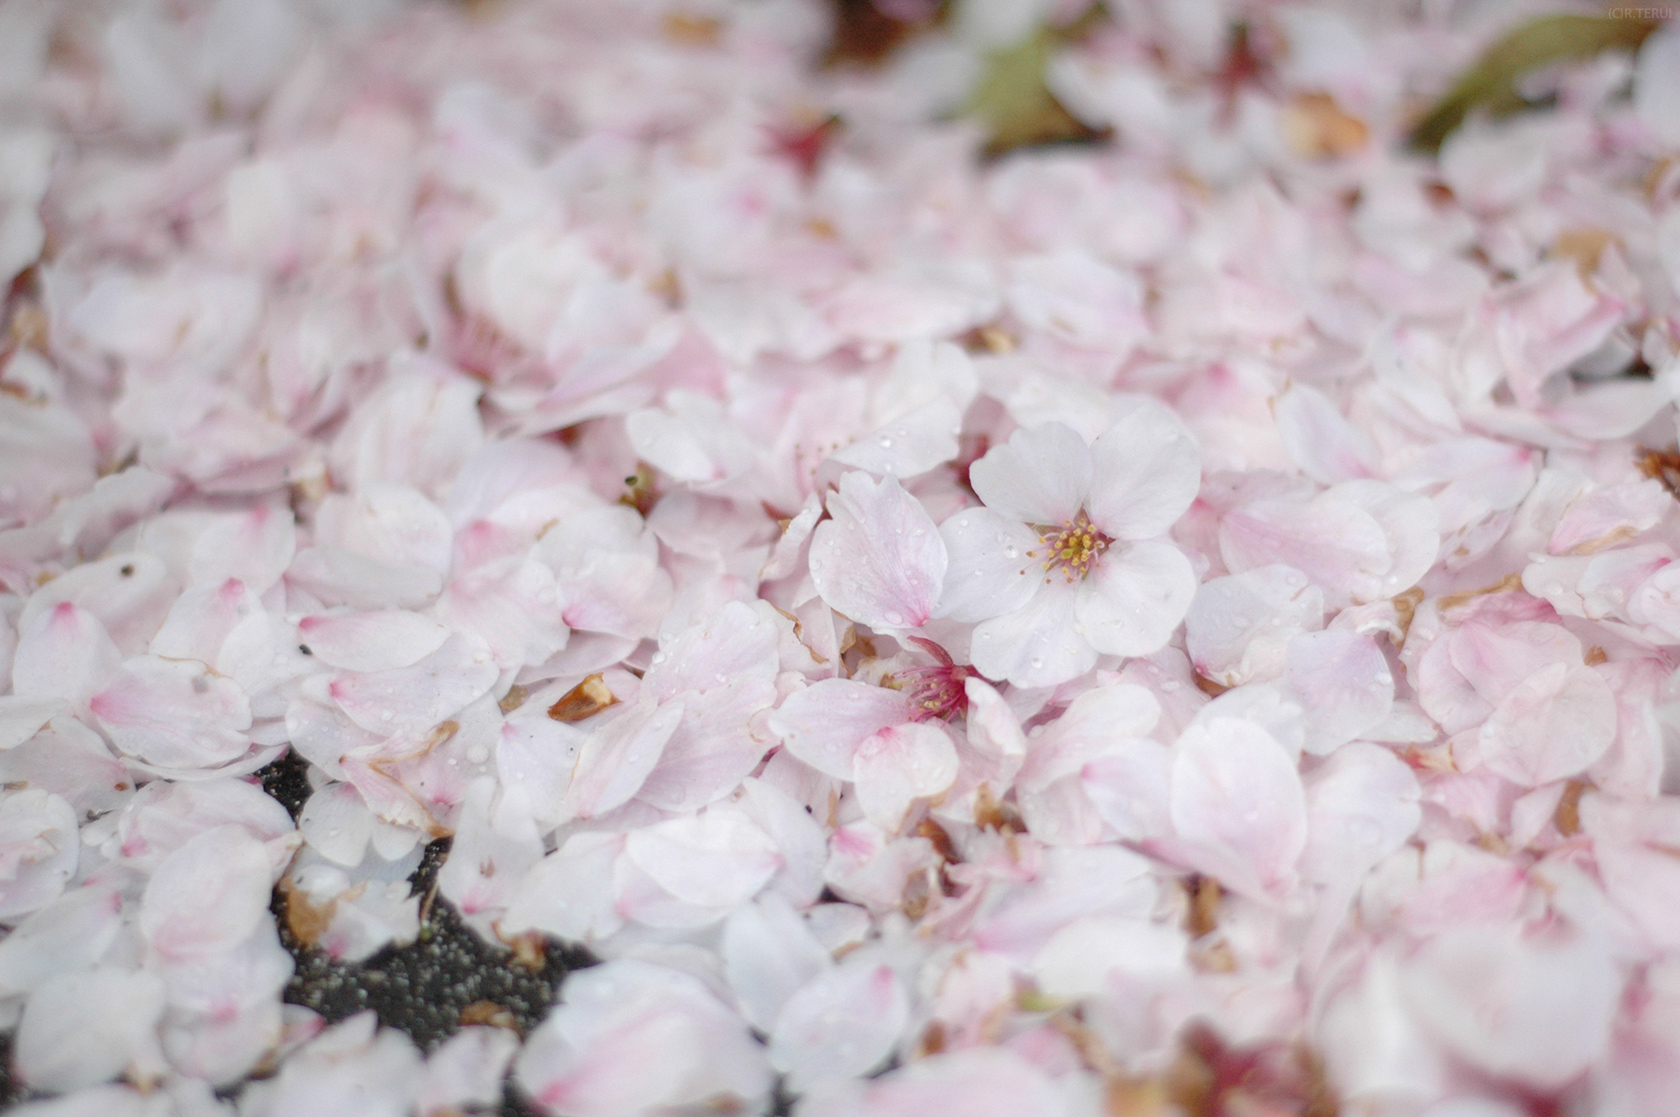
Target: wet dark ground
447,978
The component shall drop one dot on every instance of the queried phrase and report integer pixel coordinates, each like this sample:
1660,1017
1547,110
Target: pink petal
412,700
1535,1011
1343,683
372,641
1319,438
713,749
63,653
174,713
900,764
1129,785
254,547
208,895
1551,726
1236,792
617,757
879,560
824,723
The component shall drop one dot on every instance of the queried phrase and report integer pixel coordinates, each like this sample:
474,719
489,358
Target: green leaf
1491,84
1016,105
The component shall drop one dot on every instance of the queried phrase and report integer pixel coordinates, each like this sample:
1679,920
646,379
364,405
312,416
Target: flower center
938,691
1073,549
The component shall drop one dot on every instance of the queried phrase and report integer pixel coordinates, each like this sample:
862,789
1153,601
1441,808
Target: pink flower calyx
938,690
1074,548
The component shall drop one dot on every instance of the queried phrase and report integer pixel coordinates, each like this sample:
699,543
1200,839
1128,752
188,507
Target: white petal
1146,472
841,1025
85,1028
717,859
1656,85
1134,600
768,954
990,571
38,850
336,822
1079,959
1042,475
1038,645
22,717
1238,628
569,893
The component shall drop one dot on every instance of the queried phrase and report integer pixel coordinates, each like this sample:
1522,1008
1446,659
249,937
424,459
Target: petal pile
1186,623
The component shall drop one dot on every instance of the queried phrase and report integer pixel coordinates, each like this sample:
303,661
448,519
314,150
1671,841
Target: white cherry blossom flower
1066,561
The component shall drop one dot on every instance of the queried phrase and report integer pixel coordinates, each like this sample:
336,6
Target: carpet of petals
1185,624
